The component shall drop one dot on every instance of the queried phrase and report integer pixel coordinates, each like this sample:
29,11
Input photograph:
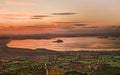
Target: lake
69,44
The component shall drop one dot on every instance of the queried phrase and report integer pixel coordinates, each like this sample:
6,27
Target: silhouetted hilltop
4,42
14,52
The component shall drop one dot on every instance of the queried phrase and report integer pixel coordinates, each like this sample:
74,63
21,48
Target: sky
59,16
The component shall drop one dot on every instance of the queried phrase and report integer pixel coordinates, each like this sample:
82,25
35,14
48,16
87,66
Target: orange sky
58,15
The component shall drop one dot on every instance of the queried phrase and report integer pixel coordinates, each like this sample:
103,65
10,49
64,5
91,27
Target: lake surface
70,44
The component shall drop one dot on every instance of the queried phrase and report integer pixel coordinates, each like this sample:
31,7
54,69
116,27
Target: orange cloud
10,15
15,2
6,11
13,17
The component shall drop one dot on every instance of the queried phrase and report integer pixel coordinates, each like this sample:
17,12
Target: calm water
69,44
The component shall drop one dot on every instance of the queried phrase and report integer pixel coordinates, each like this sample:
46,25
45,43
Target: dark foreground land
16,61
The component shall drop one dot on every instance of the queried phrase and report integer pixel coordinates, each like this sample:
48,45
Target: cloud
12,17
85,26
64,13
80,24
6,11
66,22
91,27
67,28
36,18
21,3
40,26
117,26
6,14
39,16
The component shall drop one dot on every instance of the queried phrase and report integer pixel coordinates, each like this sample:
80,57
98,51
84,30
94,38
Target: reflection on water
69,44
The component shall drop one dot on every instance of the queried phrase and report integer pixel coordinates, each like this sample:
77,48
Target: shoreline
16,52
